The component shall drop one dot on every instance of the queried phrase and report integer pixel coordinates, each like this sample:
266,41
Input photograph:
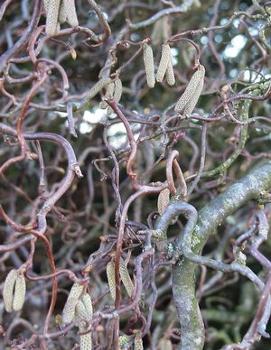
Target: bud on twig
149,65
165,57
190,97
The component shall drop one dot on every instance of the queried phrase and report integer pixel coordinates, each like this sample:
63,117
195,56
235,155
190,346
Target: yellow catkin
165,56
52,17
170,72
117,90
19,292
86,299
46,4
165,344
126,279
85,341
138,343
8,289
71,14
110,273
163,200
192,92
149,65
124,340
73,298
96,88
62,17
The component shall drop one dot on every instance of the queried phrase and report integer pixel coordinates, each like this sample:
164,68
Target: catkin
46,4
138,343
85,341
81,312
110,272
117,90
149,65
170,72
163,200
70,10
62,13
165,344
166,55
96,88
73,298
190,97
8,289
19,292
52,17
86,299
126,279
124,340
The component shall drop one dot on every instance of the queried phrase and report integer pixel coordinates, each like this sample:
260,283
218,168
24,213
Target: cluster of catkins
187,102
59,12
14,290
78,309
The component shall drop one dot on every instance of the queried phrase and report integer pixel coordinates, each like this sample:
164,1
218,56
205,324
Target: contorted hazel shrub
14,290
187,102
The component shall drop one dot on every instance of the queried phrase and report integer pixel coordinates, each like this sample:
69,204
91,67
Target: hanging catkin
165,57
163,200
189,98
19,292
126,279
96,88
138,343
170,72
85,341
110,273
117,90
70,10
73,298
165,344
52,16
8,290
62,18
149,65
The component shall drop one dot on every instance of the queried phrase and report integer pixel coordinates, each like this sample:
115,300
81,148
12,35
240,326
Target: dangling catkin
124,340
19,292
73,298
110,272
166,55
118,90
192,92
70,10
170,72
138,343
52,17
194,100
96,88
86,299
62,13
165,344
126,279
8,289
149,65
85,341
163,200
